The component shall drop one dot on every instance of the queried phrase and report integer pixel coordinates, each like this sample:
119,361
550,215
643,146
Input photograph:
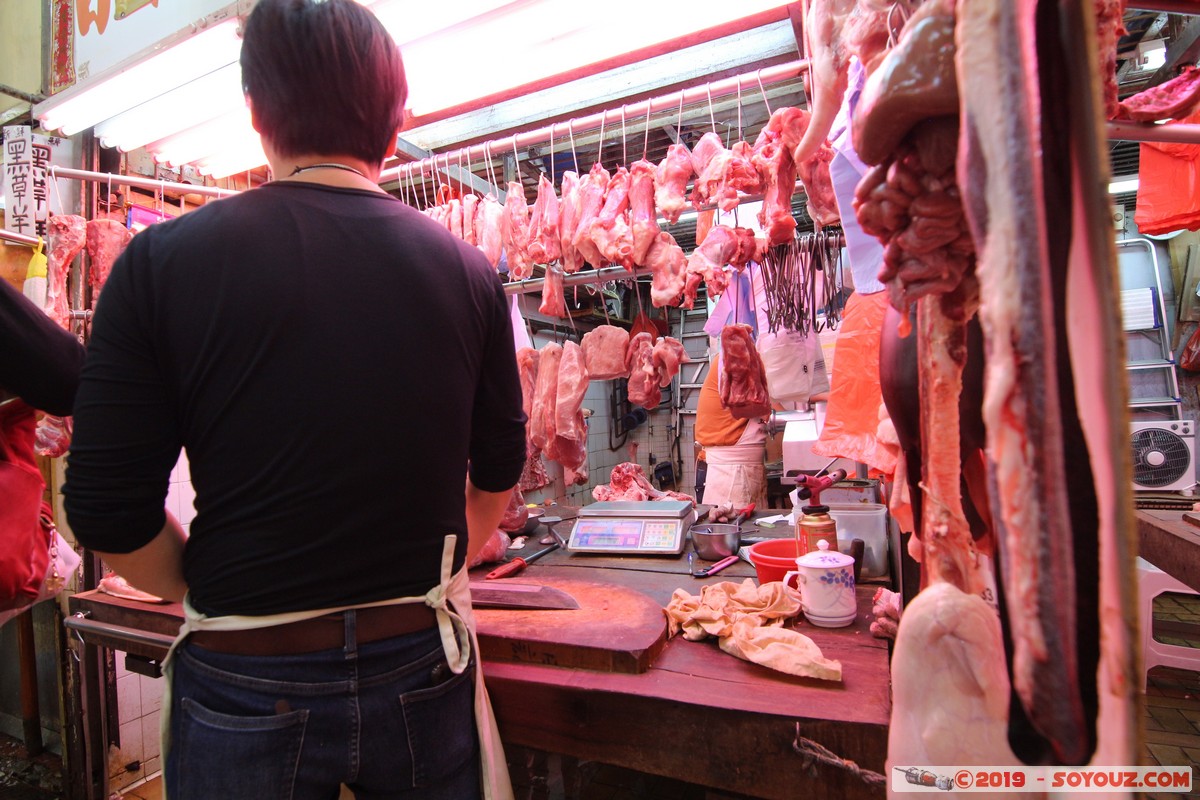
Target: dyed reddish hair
323,76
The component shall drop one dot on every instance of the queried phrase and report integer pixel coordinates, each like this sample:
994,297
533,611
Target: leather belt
320,633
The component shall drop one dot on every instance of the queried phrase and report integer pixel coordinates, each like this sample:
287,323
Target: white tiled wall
139,709
181,497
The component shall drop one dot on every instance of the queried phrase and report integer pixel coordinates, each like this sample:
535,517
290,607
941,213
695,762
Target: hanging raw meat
671,180
515,230
668,355
569,446
106,239
470,206
743,379
818,185
773,160
1174,99
544,246
722,246
592,188
740,177
710,160
489,229
1110,27
643,389
628,482
668,269
604,352
545,397
553,301
527,369
456,218
643,218
610,230
837,30
568,223
68,235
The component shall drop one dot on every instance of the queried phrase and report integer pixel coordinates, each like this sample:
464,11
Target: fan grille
1174,454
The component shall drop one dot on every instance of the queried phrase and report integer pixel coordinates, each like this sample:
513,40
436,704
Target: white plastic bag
790,358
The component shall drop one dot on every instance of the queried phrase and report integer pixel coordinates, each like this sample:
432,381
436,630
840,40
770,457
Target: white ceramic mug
825,580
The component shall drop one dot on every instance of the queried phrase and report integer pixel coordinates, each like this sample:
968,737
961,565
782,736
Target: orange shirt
715,426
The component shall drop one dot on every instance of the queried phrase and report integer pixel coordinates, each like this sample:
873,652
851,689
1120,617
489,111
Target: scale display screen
655,528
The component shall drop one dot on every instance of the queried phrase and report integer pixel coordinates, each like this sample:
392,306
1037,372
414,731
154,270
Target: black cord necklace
329,165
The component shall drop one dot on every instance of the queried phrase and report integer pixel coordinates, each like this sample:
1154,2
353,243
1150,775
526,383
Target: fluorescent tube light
1123,184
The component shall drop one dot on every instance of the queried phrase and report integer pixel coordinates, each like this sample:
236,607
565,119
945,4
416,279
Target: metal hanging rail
138,181
1149,132
559,130
19,238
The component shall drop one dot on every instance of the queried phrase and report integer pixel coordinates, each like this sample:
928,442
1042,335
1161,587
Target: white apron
736,474
451,599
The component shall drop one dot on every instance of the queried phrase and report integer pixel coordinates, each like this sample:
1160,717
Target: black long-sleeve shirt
331,360
39,361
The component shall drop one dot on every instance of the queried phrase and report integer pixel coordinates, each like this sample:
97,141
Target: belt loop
350,620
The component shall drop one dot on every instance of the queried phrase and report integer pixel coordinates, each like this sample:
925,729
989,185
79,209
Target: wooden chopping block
615,629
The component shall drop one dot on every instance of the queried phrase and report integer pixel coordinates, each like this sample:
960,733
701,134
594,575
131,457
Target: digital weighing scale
653,527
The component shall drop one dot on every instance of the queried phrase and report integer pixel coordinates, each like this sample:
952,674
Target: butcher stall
890,263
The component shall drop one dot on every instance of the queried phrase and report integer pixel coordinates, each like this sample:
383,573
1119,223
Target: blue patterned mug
825,579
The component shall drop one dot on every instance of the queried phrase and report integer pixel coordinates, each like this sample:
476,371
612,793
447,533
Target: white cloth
451,599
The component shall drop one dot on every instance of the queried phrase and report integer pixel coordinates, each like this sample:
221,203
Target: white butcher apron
451,599
736,474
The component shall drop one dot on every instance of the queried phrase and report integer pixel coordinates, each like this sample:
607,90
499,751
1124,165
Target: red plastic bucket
773,558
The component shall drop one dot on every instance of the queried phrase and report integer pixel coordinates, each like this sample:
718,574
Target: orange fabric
1168,185
852,419
715,426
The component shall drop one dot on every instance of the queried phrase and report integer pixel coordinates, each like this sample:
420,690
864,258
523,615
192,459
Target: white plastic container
869,522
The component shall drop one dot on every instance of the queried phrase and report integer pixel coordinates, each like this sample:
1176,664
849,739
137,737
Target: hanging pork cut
628,482
68,235
569,446
818,186
106,239
670,182
553,300
667,357
545,397
456,218
710,160
668,271
544,245
743,379
643,389
1174,99
722,246
643,218
1110,27
773,160
568,223
604,352
592,188
489,229
515,229
470,207
740,177
610,231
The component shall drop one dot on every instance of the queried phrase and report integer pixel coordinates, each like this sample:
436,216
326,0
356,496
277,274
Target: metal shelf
1156,363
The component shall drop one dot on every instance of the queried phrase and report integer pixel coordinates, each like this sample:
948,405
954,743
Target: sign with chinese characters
26,179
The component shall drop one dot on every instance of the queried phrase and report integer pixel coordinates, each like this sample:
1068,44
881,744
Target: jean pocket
206,744
442,737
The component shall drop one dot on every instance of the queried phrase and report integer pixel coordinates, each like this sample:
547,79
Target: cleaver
533,596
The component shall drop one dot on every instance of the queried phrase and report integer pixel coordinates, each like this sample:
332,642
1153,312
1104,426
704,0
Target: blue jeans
387,718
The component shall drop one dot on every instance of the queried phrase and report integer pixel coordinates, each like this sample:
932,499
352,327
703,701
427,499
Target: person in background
733,450
334,364
39,362
39,371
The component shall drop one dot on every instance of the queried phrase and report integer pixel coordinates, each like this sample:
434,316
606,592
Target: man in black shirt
334,364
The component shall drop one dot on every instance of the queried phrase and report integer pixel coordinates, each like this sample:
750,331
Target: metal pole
1118,130
141,183
773,74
